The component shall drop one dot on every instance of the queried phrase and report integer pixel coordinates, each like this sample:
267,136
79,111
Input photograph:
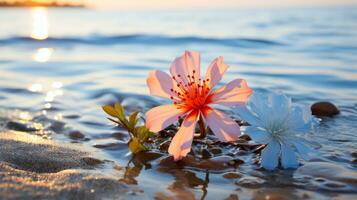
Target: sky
203,4
196,4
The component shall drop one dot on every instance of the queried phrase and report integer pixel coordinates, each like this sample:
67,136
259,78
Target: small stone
76,135
20,127
232,197
235,162
92,161
327,171
120,136
118,167
57,126
147,156
334,185
242,123
206,154
112,146
164,146
232,175
354,154
250,182
245,137
216,163
324,109
216,151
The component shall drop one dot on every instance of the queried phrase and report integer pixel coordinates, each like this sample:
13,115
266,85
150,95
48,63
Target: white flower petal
280,104
259,105
302,147
270,155
258,135
288,157
300,119
247,115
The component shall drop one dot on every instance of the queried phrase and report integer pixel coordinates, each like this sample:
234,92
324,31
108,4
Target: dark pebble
206,154
216,151
245,137
242,123
147,156
20,127
57,126
72,116
92,161
76,135
164,146
354,154
166,133
112,146
216,163
232,197
334,185
232,175
235,162
250,182
120,136
324,109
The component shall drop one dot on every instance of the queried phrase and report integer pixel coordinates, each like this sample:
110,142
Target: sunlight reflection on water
40,25
43,54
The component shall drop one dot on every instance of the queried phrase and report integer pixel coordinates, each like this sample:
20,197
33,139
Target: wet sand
34,168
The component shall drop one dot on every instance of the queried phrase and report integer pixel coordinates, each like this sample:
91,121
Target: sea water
58,66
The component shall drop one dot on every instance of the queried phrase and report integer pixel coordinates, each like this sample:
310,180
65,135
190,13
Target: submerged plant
192,101
276,122
138,134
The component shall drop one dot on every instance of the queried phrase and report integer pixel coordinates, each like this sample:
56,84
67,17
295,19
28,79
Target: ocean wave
142,39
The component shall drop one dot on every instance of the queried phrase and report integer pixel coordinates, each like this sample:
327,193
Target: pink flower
192,97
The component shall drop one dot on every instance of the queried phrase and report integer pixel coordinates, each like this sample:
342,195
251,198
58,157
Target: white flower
276,122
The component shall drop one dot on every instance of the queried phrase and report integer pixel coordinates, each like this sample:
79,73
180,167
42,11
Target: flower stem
202,128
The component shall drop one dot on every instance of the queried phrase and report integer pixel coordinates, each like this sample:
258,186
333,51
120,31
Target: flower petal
301,119
161,117
302,147
258,135
280,102
288,157
234,93
270,155
259,105
186,65
225,128
181,143
215,71
248,116
160,84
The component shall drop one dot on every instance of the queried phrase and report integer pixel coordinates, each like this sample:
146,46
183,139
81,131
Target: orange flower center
190,93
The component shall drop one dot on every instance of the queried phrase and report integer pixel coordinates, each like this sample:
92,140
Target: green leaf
133,120
120,110
139,135
143,133
151,134
110,110
135,146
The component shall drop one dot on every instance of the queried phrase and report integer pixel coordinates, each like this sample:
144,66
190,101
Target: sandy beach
33,168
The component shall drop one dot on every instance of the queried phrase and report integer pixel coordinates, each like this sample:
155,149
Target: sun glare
40,24
43,54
